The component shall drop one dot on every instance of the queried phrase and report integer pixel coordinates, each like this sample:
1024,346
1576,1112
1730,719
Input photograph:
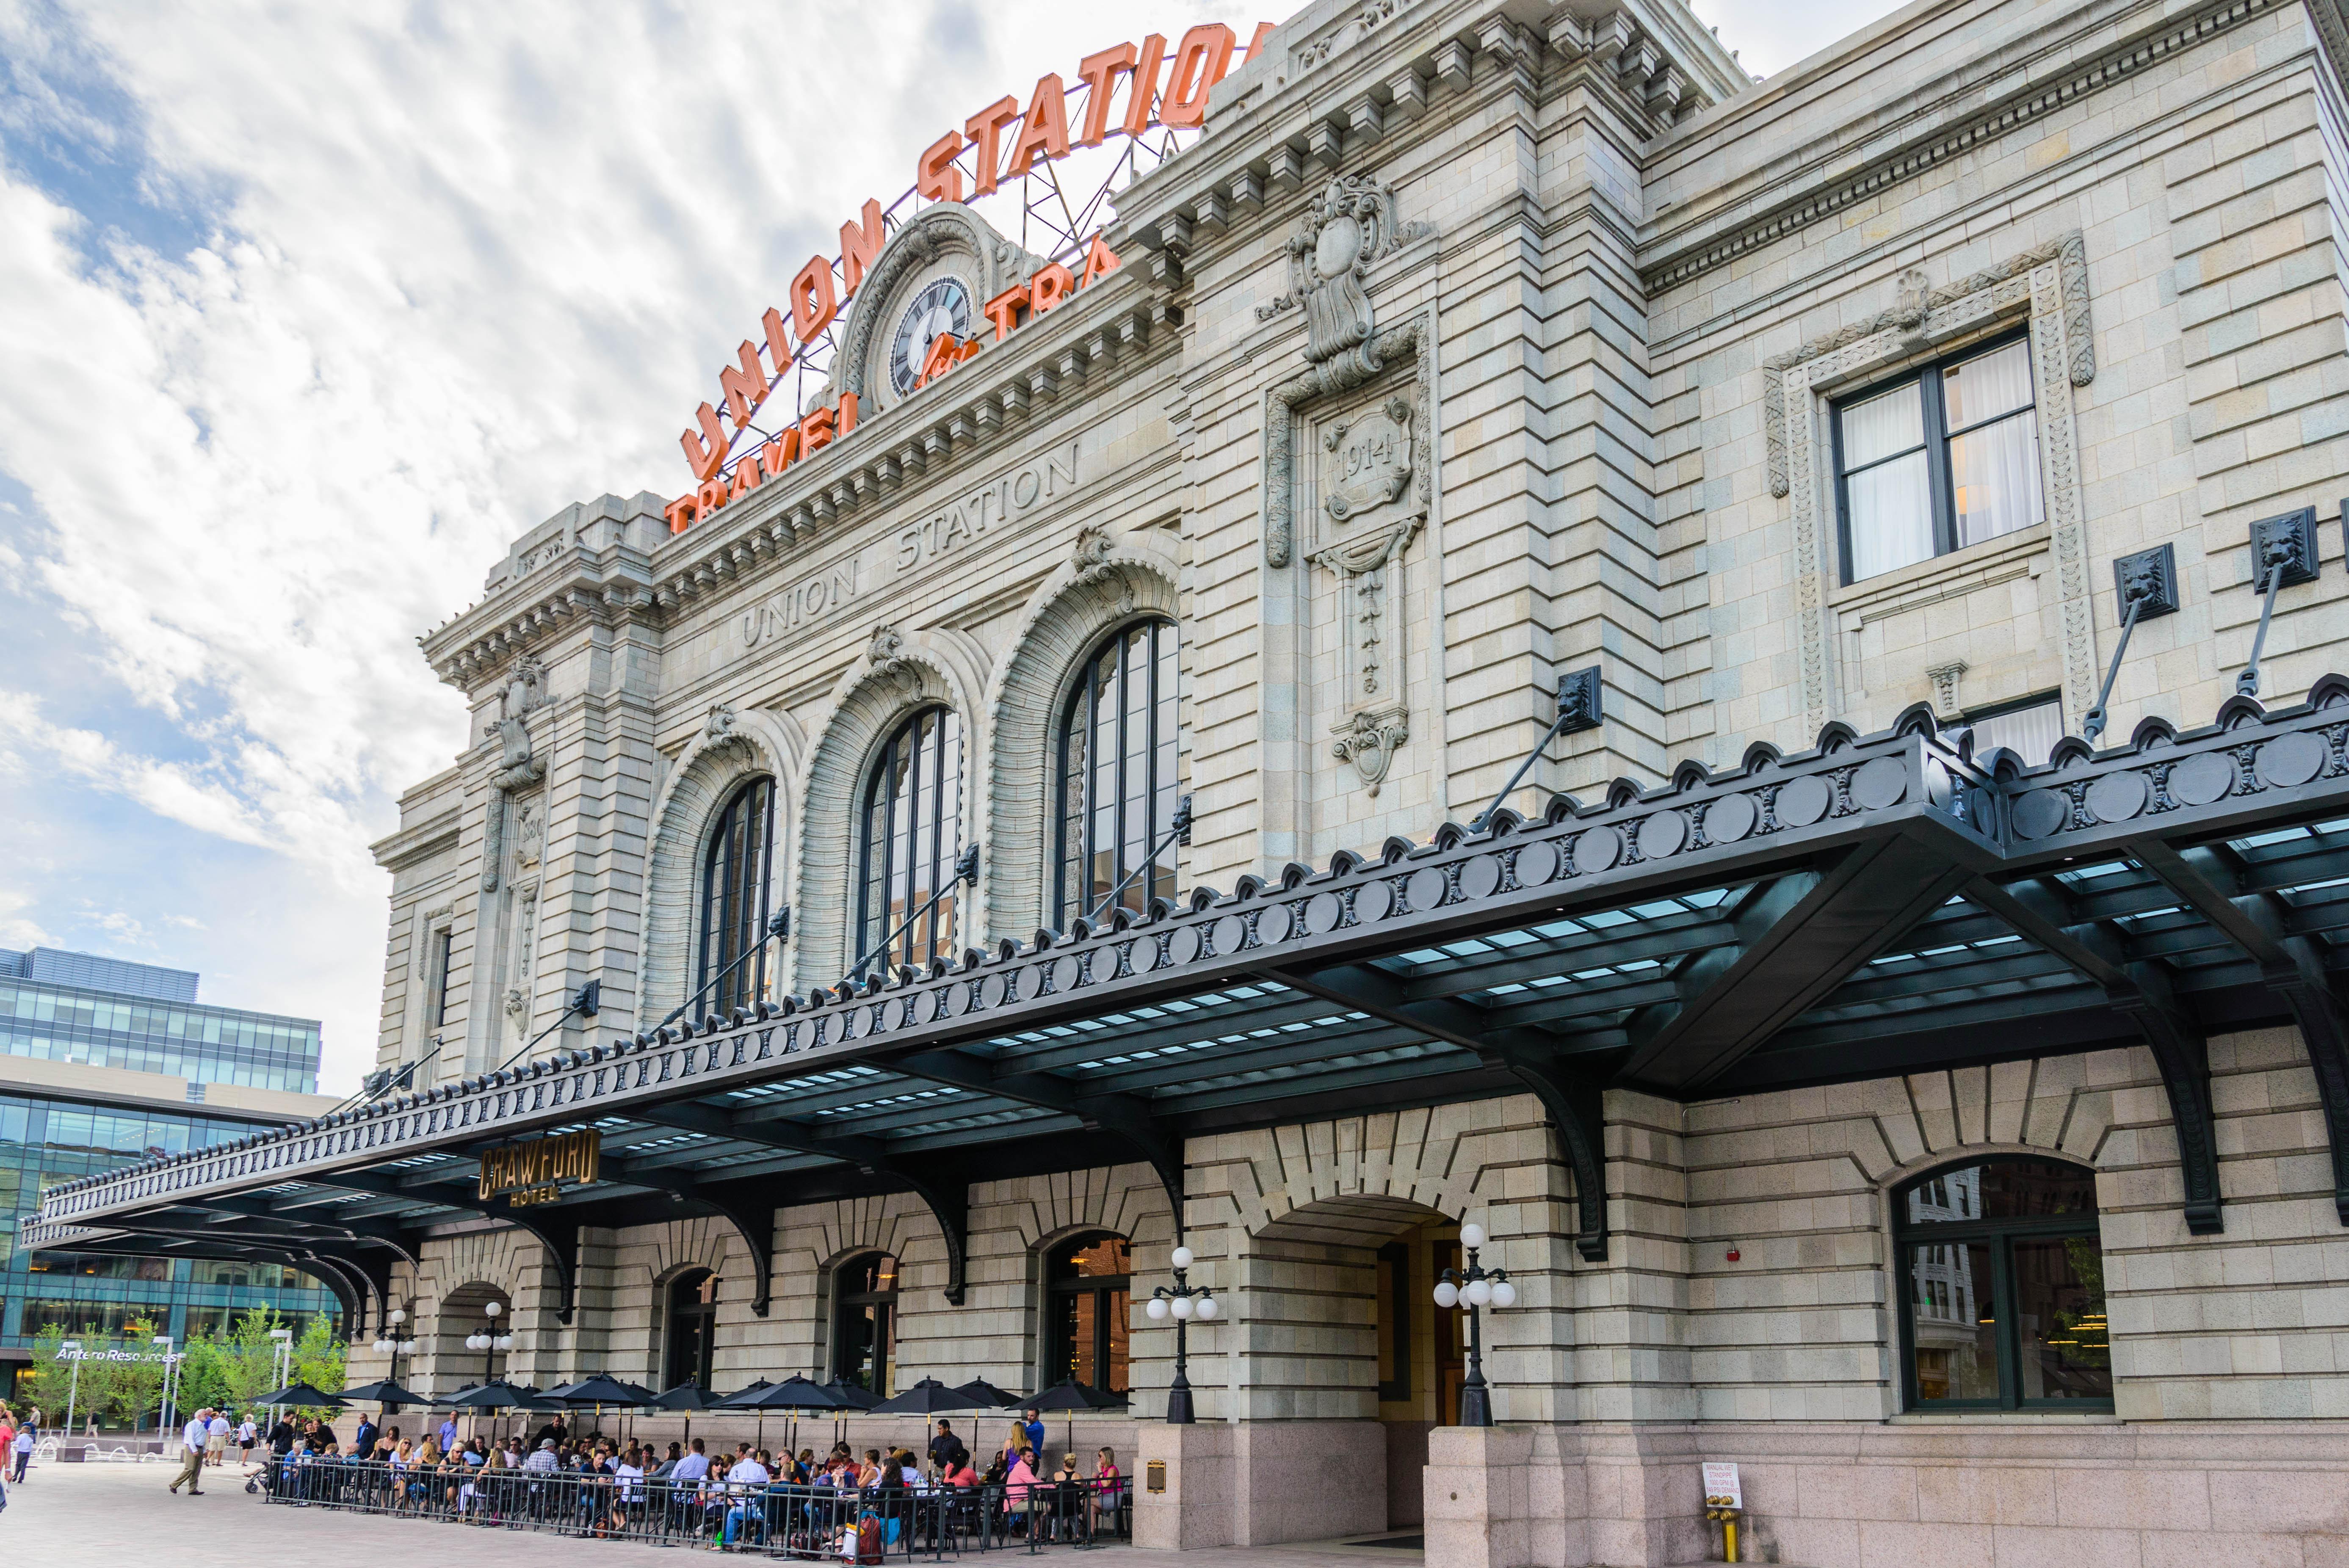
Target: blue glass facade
151,1025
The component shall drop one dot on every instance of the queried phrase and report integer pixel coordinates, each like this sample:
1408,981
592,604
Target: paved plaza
121,1512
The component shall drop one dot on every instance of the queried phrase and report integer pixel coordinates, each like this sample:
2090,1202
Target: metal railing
878,1524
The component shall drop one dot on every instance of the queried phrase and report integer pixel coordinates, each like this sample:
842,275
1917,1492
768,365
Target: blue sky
306,310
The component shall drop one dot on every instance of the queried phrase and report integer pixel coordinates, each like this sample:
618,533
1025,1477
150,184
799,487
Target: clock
943,307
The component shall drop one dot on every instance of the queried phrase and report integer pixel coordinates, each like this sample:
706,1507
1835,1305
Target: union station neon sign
1005,140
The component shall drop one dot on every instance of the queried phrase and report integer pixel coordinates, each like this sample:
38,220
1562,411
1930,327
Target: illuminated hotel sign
535,1173
1005,140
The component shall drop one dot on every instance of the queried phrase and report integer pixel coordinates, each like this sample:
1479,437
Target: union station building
1724,679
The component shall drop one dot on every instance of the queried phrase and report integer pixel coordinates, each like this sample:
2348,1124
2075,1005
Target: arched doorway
1088,1312
464,1313
692,1329
1373,1356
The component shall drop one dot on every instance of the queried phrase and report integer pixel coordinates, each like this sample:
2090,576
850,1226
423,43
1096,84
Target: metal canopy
1869,907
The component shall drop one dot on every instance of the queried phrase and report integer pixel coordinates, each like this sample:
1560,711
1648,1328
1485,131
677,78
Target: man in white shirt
216,1439
191,1439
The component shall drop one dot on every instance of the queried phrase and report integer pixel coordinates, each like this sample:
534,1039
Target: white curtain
1995,476
1891,505
1996,383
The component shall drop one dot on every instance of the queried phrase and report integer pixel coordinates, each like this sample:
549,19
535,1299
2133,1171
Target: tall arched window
2002,1284
692,1328
1088,1312
864,1320
912,833
1117,783
736,877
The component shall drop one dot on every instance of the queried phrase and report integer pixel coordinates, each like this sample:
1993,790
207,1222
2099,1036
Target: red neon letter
1142,99
983,127
939,361
745,388
813,302
1001,309
859,245
1046,134
779,342
1256,45
712,495
706,451
1099,73
816,432
780,452
679,513
1051,285
1208,49
935,176
1100,260
847,412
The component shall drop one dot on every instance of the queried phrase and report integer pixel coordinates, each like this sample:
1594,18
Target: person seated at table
743,1514
1020,1485
628,1485
959,1474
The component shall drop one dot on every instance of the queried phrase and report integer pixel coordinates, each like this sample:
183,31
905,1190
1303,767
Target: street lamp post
489,1341
73,1386
1182,1301
391,1345
163,1415
284,1354
1475,1287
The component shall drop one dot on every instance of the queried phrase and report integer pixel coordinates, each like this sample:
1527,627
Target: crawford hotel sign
1636,752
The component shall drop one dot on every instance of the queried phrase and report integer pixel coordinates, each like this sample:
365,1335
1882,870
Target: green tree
319,1357
203,1375
50,1381
249,1357
135,1391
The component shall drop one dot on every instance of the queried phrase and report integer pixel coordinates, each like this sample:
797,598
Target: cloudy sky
305,310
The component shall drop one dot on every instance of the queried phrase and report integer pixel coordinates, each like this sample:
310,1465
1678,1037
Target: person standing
448,1433
364,1444
246,1432
22,1446
216,1441
192,1440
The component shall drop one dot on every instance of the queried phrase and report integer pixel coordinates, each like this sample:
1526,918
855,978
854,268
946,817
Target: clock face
943,307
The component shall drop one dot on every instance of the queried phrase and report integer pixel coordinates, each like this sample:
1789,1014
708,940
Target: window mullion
1937,461
2010,1340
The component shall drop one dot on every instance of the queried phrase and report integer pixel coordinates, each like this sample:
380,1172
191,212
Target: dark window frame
1071,865
1395,1322
702,1282
1939,485
741,846
933,937
443,961
1117,1288
884,1321
1999,1235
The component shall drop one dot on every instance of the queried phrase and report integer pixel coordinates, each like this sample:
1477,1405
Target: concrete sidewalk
121,1513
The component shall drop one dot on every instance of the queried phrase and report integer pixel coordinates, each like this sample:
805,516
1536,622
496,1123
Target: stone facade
1605,290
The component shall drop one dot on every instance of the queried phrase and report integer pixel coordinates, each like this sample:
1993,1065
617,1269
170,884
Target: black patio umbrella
384,1394
600,1390
1072,1396
304,1396
689,1396
984,1395
929,1397
499,1396
853,1395
795,1395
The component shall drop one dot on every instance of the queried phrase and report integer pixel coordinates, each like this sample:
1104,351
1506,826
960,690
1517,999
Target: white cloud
308,310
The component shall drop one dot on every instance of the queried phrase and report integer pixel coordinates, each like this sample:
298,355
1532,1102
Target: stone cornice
410,844
2060,77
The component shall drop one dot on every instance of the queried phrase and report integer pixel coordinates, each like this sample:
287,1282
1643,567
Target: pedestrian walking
216,1441
21,1446
191,1439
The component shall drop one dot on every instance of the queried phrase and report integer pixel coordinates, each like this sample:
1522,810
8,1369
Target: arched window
1088,1312
864,1320
692,1328
912,833
1116,776
737,874
2001,1286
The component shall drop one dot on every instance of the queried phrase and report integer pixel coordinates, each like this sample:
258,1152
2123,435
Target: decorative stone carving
720,722
1351,224
1409,341
1374,460
530,833
519,767
1945,689
1370,740
886,655
1095,544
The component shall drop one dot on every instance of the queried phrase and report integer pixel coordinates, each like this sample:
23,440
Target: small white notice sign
1720,1489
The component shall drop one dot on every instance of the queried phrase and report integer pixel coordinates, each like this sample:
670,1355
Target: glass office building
102,1012
99,1012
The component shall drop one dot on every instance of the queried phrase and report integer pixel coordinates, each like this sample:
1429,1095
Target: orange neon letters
779,342
813,303
1140,108
1100,260
1046,132
1099,73
1204,52
860,244
745,388
1256,45
983,129
1004,308
780,452
706,451
1050,286
936,178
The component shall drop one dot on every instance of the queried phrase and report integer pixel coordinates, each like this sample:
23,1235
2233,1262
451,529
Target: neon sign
1005,140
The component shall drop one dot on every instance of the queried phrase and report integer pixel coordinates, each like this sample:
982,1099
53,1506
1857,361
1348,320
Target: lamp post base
1178,1403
